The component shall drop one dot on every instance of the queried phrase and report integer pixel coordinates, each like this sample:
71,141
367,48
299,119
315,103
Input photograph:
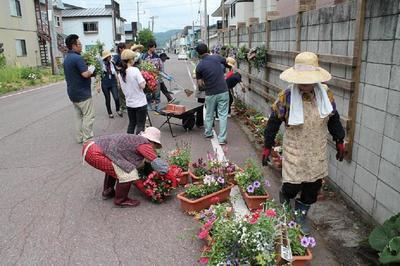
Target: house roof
87,12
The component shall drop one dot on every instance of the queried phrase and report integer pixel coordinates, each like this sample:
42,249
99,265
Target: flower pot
302,260
189,205
254,202
184,178
194,177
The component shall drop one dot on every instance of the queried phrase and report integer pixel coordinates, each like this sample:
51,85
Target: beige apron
305,147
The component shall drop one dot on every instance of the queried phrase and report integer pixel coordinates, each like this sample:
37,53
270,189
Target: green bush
3,61
386,240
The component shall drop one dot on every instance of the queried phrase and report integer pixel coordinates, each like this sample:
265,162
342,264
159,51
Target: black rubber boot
108,188
301,210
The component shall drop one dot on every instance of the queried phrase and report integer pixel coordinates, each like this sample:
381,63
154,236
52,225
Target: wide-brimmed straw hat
136,47
152,134
306,70
231,61
105,54
129,55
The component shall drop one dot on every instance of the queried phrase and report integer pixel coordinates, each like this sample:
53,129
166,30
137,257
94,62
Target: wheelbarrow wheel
188,122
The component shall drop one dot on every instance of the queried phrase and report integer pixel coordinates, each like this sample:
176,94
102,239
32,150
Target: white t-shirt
134,95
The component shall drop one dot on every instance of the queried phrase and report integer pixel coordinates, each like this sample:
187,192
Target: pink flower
270,213
203,260
203,234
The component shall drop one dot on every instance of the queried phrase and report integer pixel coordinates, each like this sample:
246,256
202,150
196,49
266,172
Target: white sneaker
217,118
229,115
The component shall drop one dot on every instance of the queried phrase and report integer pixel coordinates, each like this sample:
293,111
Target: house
131,30
95,24
18,33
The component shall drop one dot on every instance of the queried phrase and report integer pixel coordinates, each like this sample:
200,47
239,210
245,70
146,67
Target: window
90,27
21,48
233,10
57,21
15,6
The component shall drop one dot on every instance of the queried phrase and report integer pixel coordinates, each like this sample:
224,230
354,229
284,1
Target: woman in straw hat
133,84
109,83
308,109
233,78
119,156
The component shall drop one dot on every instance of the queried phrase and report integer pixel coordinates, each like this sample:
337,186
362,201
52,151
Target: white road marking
31,90
191,78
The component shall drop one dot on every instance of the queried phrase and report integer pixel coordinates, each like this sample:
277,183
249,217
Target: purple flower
250,189
221,180
312,241
256,184
292,224
304,241
267,183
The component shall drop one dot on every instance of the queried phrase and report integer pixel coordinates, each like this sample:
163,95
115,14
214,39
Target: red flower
270,213
203,234
203,260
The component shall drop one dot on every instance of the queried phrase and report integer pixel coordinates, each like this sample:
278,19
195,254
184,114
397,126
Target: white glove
91,68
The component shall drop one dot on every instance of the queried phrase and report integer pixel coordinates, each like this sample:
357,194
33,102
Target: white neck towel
296,115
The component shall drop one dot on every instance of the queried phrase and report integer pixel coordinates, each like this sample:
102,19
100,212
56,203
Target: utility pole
53,38
152,22
206,37
137,4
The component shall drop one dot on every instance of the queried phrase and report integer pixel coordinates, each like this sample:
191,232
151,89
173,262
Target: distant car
182,56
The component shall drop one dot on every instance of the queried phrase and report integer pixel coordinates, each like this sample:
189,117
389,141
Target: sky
172,14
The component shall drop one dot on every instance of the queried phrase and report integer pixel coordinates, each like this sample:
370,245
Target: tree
144,36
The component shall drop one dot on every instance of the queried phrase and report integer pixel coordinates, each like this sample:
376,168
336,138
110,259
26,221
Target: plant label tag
286,253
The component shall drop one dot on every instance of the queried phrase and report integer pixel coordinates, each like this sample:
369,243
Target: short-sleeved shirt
210,71
134,95
78,87
117,60
233,80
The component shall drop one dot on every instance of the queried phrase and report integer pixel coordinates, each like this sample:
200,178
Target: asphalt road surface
52,212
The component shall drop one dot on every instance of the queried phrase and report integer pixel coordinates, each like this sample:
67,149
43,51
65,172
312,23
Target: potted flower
181,158
243,241
150,74
199,170
196,197
252,185
156,186
299,244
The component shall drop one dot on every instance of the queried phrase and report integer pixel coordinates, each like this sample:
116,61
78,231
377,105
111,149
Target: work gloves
340,150
265,156
91,69
169,78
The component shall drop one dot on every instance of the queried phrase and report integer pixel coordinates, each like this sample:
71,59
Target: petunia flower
270,213
292,224
203,260
312,241
250,189
203,234
221,180
256,184
304,241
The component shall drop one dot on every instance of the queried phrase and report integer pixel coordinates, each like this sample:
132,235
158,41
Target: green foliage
3,61
145,36
242,53
196,191
385,239
31,73
279,138
180,156
294,234
92,57
260,59
391,253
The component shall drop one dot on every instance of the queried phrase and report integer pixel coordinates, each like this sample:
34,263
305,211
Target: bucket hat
136,47
129,55
105,54
231,61
152,134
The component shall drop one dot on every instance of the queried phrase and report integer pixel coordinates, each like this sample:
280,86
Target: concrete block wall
371,181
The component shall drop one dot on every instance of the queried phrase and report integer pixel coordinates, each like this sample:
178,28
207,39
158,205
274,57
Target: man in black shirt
210,74
232,79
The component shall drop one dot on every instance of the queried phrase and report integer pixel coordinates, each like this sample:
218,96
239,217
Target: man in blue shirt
210,75
153,57
77,76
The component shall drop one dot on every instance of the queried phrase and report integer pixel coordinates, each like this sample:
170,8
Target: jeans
84,120
165,91
122,100
137,119
153,97
230,100
220,102
114,91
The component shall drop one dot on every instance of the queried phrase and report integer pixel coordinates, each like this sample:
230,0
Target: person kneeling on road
119,156
308,109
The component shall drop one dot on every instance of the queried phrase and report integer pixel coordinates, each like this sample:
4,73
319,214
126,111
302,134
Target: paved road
51,207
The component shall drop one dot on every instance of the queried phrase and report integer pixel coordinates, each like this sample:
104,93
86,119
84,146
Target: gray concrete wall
371,181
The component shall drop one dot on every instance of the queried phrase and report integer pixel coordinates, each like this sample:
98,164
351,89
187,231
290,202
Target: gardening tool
188,92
